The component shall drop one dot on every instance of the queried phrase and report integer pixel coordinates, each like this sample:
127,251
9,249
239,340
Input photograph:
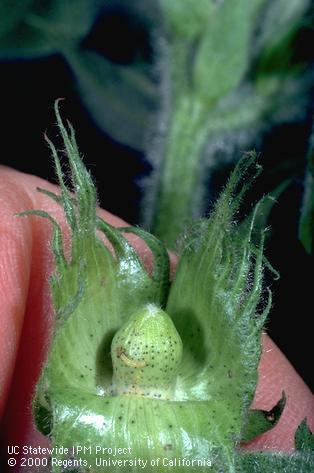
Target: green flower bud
146,353
188,379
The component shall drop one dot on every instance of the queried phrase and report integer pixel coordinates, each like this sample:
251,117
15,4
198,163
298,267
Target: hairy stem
179,175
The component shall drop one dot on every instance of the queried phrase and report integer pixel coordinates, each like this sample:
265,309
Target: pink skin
26,320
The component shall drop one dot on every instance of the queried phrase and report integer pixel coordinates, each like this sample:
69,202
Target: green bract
167,376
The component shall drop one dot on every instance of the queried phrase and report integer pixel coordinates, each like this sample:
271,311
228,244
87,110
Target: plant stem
177,191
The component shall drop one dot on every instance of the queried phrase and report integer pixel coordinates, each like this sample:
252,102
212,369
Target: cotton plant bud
188,408
146,354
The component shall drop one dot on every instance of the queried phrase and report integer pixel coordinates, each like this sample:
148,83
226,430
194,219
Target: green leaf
304,438
259,422
186,19
12,13
121,99
46,27
279,18
64,21
204,61
26,44
221,59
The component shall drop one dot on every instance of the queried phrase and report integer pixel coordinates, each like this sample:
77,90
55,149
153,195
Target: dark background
28,89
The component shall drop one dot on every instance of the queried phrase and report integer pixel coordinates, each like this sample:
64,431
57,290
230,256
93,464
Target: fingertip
15,262
277,375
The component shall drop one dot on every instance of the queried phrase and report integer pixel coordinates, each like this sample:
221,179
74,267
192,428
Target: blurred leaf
306,227
275,46
222,59
46,27
203,60
279,17
121,99
186,19
272,99
26,42
63,20
11,14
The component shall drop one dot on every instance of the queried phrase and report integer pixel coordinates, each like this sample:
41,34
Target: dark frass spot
168,447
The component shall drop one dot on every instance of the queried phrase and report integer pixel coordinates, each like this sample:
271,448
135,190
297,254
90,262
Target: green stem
177,186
